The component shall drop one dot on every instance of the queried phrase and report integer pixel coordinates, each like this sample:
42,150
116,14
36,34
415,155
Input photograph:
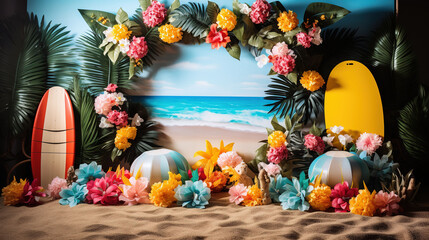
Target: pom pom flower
237,193
104,102
123,135
73,195
253,197
217,38
226,19
363,203
12,193
120,31
229,159
170,34
314,143
277,139
111,88
287,21
281,49
296,192
260,11
119,118
154,14
216,181
272,169
138,48
320,197
103,191
311,80
304,39
387,203
162,194
193,194
87,172
56,186
282,64
277,154
369,142
340,195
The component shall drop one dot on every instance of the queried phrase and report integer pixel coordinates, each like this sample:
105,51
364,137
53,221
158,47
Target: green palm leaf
192,18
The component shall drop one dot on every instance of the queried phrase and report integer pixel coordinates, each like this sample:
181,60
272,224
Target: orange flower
226,19
287,21
210,156
12,193
311,80
216,182
217,38
162,193
363,203
234,175
277,139
170,34
254,197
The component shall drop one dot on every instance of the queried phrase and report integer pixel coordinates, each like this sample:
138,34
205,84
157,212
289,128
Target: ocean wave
192,123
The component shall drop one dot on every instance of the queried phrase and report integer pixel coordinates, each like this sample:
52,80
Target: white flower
119,98
244,9
124,45
105,123
262,60
109,35
336,129
137,120
345,139
315,34
328,139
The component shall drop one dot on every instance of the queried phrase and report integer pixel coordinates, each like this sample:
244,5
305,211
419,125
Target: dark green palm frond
192,18
56,43
23,70
308,103
97,71
281,92
395,65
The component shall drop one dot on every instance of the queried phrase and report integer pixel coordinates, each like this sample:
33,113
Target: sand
220,220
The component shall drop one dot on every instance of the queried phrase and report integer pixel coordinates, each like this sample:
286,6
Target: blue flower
193,194
86,172
380,168
278,186
296,191
74,195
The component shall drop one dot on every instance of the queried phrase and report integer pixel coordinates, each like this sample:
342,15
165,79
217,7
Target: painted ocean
239,113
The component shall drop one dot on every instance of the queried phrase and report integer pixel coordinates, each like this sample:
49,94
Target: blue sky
199,70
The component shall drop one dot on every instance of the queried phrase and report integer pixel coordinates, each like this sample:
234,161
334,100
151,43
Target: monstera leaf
192,18
325,13
92,17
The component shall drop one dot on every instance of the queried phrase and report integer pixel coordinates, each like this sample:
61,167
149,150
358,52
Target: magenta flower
237,193
136,193
118,118
341,194
229,159
154,14
260,11
387,203
283,64
304,39
56,186
32,193
100,191
111,87
369,142
276,155
314,143
104,102
138,48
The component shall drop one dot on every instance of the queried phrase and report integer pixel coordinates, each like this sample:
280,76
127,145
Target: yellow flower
277,139
210,156
254,197
287,21
363,203
311,80
12,193
120,31
122,136
319,198
234,175
162,193
226,19
170,34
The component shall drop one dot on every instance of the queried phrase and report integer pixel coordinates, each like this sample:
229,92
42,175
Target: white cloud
259,76
249,83
191,66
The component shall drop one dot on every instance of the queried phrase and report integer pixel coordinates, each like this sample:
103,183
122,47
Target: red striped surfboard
53,140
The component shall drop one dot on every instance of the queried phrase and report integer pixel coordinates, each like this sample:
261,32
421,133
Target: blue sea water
228,110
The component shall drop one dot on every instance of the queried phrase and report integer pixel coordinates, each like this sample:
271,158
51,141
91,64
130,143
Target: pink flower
314,143
138,48
276,155
341,194
229,159
282,64
136,193
111,87
260,11
104,102
32,193
55,187
118,118
100,191
304,39
116,177
369,142
387,203
314,32
154,14
280,49
237,193
272,169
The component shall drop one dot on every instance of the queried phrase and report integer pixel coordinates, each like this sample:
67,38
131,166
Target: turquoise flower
74,195
277,187
380,168
193,194
86,172
296,191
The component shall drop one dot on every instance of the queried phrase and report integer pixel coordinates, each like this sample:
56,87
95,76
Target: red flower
341,195
111,87
217,38
32,193
201,175
101,190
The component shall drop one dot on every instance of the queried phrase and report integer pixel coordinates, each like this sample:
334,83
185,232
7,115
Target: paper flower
328,139
229,159
253,197
73,195
216,181
272,169
32,193
111,87
197,172
119,98
138,48
217,38
124,45
340,195
170,34
119,32
281,49
89,172
101,191
319,198
193,194
226,19
277,154
296,192
345,139
104,123
311,80
12,193
277,187
336,129
363,203
287,21
162,194
237,193
244,8
369,142
56,186
119,118
387,203
135,191
154,14
262,60
122,136
104,102
314,143
314,33
137,120
380,168
304,39
282,64
260,11
210,156
277,139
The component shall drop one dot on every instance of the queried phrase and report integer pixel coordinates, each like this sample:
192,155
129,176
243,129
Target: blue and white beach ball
338,166
156,164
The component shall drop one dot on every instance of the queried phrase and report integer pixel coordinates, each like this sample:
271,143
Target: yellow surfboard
352,100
